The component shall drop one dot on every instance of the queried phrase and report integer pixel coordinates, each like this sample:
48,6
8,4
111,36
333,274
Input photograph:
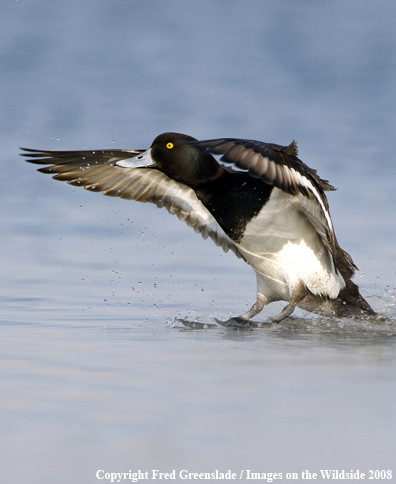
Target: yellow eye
169,146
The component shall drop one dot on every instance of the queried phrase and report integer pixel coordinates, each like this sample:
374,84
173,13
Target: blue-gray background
94,372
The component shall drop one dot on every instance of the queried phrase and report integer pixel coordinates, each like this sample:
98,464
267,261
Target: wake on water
383,324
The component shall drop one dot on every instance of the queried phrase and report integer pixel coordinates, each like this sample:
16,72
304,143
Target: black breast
234,199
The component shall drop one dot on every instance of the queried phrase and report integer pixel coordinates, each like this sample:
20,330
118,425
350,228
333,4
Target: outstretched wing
274,164
96,171
279,166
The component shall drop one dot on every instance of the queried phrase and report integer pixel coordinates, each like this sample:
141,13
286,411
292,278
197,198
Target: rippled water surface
97,370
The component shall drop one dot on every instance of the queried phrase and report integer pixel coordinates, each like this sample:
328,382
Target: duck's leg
243,321
298,293
256,308
286,311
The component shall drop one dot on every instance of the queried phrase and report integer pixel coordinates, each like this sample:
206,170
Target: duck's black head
182,162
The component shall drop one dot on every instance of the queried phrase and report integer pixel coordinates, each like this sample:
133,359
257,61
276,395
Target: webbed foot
239,323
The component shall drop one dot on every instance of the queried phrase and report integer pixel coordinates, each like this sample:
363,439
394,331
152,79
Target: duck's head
171,154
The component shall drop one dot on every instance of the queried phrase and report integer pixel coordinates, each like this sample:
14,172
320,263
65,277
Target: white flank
285,250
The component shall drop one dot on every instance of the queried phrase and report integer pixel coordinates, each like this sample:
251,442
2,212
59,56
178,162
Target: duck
256,199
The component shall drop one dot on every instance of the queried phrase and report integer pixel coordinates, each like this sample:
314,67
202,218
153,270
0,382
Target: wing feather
96,171
279,166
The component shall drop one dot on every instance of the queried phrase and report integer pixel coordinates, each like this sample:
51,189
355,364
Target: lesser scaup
260,201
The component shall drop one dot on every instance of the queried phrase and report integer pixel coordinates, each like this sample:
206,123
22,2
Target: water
96,370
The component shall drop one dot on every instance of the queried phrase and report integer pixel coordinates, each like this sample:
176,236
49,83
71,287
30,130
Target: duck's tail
349,304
